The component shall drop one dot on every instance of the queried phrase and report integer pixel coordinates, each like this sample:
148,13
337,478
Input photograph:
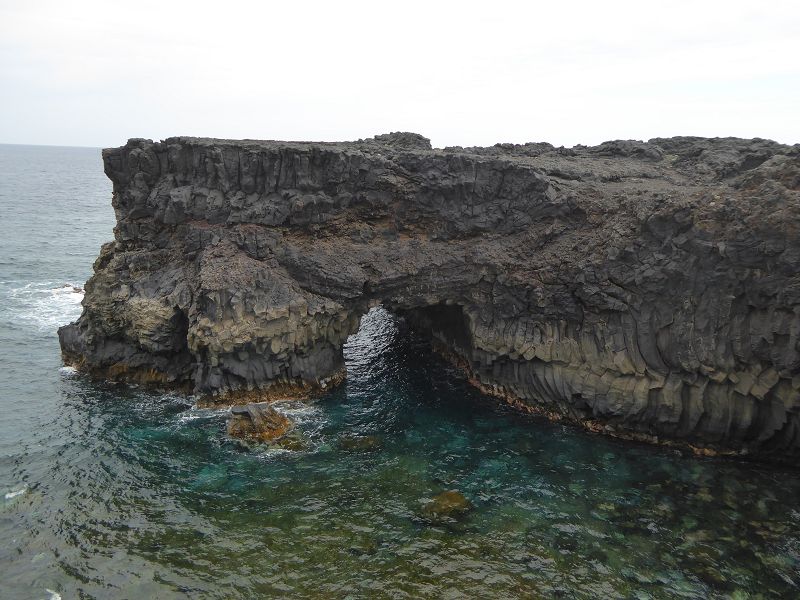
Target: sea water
112,491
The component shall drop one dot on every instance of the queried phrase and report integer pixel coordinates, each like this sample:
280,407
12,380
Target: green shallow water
116,492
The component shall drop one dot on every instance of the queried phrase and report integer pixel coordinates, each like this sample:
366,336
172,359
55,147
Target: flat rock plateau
649,290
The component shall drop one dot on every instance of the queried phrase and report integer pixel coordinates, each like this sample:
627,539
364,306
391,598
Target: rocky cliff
645,289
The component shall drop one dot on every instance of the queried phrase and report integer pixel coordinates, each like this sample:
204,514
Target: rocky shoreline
646,290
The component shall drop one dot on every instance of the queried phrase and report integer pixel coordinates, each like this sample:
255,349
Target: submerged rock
257,422
359,443
449,505
293,441
648,290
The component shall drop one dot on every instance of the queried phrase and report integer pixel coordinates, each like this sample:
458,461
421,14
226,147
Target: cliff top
695,157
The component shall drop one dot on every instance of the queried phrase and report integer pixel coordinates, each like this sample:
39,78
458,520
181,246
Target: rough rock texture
650,289
257,422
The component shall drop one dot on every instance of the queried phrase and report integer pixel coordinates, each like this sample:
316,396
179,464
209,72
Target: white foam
296,408
270,453
67,371
194,414
15,493
297,411
53,595
46,305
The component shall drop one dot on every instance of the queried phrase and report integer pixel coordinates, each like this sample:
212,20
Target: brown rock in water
451,504
257,422
293,441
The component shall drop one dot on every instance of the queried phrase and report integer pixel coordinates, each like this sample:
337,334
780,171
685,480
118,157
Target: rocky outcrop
257,422
647,289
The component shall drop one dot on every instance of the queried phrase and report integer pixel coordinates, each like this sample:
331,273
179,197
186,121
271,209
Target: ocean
113,491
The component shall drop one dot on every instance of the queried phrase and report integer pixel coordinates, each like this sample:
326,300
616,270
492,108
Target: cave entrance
445,324
390,339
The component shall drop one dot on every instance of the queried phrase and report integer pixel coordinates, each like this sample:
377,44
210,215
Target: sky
88,73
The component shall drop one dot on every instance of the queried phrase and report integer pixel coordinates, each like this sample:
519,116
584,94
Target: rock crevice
653,287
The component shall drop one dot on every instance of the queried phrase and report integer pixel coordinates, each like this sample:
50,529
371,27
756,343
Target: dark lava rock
404,139
648,290
257,422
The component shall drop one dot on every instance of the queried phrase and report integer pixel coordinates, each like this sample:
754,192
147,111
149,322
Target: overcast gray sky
469,73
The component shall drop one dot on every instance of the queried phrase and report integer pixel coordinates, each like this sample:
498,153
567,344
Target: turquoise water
116,492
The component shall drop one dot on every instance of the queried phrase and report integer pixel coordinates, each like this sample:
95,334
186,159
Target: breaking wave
44,305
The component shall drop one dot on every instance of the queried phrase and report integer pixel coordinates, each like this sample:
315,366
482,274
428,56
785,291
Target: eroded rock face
652,289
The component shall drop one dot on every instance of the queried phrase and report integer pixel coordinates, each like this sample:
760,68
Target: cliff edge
650,290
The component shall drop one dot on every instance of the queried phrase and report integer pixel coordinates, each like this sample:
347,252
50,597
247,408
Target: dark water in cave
115,492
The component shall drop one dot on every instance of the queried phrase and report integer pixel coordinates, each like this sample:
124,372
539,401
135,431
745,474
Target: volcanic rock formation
257,422
649,289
